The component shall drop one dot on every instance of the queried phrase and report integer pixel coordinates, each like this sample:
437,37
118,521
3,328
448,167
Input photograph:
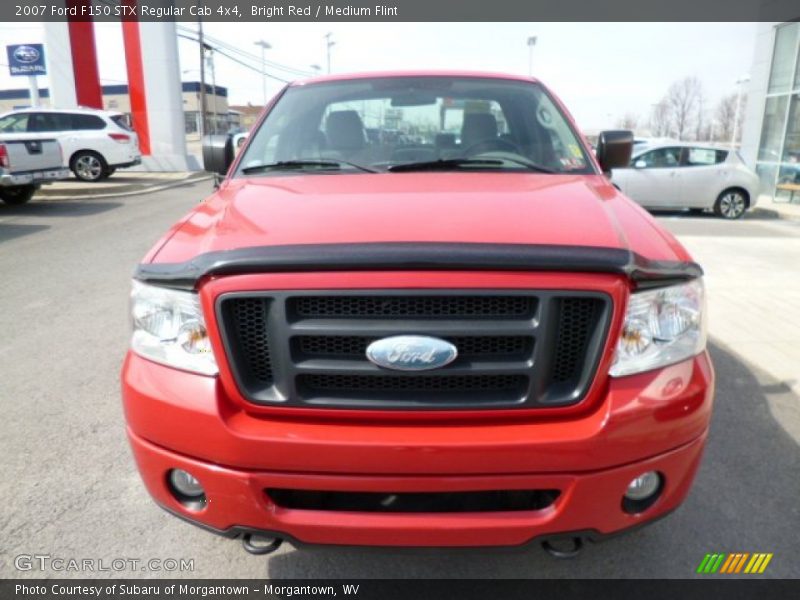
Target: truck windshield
405,124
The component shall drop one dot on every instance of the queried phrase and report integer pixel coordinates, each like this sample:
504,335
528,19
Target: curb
772,213
144,189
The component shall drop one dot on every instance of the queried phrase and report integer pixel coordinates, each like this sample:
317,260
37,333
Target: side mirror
640,164
217,153
614,149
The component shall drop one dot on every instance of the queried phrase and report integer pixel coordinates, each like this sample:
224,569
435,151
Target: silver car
698,177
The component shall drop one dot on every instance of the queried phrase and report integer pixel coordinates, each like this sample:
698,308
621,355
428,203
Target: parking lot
71,490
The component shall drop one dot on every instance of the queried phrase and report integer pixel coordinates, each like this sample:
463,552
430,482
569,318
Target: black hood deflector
418,256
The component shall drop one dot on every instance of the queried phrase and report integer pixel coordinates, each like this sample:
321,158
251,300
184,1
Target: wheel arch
736,188
88,150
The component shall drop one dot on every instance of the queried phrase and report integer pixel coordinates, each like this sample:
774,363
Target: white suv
95,143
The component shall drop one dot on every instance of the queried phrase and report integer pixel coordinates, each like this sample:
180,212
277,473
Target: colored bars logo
737,562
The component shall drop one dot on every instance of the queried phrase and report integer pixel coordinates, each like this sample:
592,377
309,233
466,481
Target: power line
244,54
236,60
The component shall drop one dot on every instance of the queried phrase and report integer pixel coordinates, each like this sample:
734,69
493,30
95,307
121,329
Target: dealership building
116,97
771,128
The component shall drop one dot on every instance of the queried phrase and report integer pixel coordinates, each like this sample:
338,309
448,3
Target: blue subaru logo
26,54
411,353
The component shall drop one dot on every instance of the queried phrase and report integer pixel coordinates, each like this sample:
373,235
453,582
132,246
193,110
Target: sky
600,70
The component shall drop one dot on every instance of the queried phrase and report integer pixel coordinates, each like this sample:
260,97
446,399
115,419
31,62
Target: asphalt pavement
69,488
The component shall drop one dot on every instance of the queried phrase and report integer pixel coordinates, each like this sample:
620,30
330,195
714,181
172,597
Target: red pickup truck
463,335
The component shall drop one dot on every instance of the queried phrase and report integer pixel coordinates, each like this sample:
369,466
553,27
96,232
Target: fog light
185,483
187,489
644,486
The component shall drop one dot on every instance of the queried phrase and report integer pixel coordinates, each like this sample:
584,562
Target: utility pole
264,47
739,83
202,77
214,89
531,44
33,85
329,43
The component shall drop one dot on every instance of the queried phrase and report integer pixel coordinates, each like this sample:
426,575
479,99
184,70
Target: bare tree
660,119
684,99
628,121
701,127
724,115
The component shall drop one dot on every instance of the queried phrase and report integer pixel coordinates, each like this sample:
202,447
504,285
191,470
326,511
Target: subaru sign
26,59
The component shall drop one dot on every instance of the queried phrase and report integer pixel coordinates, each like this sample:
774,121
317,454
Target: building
115,97
771,128
248,114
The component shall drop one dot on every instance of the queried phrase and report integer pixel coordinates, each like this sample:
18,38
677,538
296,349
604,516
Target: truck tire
17,194
88,166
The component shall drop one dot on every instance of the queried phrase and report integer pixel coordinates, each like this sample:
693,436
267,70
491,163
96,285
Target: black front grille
246,321
577,320
414,502
414,383
469,347
515,349
412,307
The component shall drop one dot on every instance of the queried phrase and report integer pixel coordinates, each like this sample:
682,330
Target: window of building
791,145
772,129
783,59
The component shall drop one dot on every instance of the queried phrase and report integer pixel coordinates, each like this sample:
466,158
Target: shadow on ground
744,500
757,214
9,231
55,208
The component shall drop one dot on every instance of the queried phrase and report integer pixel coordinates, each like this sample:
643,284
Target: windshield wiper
454,163
286,165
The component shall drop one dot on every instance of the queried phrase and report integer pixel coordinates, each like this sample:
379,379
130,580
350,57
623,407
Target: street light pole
329,43
264,47
202,77
214,89
739,83
531,44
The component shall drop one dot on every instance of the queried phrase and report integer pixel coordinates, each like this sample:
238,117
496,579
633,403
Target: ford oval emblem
411,353
26,54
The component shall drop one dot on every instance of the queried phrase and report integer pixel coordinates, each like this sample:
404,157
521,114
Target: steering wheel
489,145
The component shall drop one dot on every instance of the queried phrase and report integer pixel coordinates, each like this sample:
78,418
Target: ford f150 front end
417,313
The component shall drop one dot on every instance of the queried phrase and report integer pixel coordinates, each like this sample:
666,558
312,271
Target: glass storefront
778,162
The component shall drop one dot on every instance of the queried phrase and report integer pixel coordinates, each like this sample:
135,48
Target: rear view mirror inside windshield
414,99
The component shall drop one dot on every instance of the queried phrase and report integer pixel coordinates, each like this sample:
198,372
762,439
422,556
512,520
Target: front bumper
588,502
651,421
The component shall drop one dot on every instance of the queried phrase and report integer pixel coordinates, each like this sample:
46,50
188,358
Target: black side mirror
217,153
614,149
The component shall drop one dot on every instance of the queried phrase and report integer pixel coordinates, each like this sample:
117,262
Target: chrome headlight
169,328
661,327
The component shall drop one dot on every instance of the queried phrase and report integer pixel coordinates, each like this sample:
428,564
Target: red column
84,59
136,90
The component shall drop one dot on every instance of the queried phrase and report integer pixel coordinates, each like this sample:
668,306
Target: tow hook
265,545
563,547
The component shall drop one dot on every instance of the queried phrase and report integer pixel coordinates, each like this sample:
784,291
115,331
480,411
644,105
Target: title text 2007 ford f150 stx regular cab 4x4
417,313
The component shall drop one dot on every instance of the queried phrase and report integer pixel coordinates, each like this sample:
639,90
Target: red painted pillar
84,59
136,89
